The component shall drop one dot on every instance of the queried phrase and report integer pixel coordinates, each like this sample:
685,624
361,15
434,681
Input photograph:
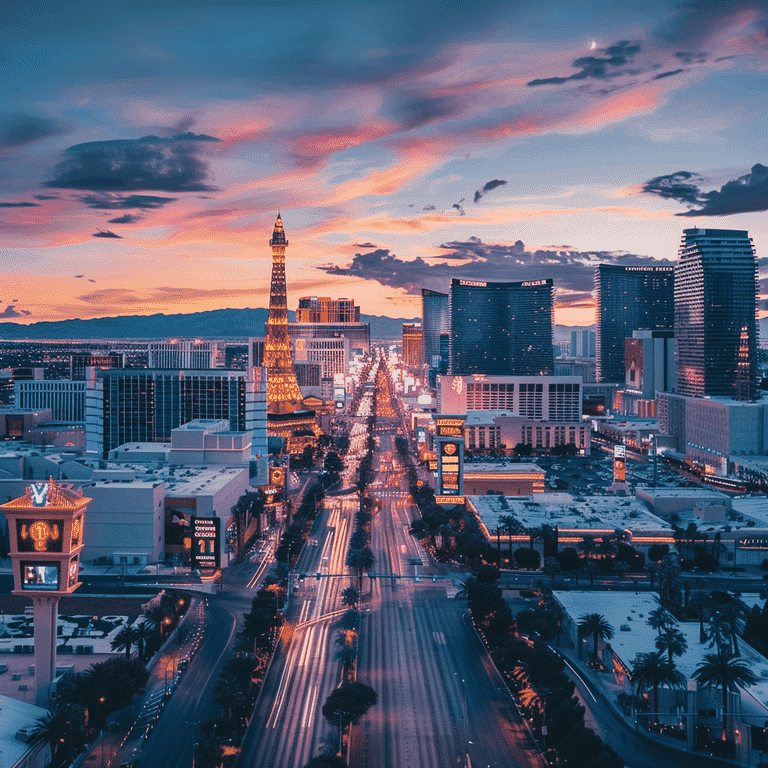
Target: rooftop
570,512
627,612
16,714
501,467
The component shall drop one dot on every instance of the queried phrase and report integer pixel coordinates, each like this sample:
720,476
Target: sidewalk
121,743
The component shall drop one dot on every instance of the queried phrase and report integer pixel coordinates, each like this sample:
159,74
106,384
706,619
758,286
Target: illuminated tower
283,394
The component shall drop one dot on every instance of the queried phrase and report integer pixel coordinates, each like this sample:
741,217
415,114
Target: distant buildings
629,298
314,309
716,284
194,354
413,344
325,318
650,368
501,329
65,398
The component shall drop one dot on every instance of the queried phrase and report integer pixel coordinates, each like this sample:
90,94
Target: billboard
619,463
40,576
206,535
42,535
74,569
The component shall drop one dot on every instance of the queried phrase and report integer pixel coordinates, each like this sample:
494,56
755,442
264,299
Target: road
439,696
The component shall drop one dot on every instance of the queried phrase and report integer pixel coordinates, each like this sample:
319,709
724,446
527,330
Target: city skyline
144,157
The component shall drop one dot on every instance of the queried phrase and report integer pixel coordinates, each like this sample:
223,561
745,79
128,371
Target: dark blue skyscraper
435,319
716,283
628,299
502,329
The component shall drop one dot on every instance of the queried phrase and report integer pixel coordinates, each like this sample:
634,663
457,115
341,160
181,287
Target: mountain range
214,324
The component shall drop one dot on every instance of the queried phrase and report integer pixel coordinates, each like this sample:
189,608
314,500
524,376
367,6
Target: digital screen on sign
43,577
450,431
421,436
73,571
77,532
39,535
277,476
339,393
205,542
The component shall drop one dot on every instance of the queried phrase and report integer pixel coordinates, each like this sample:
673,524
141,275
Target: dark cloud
127,218
428,208
18,130
23,204
573,271
487,187
598,68
365,245
695,22
671,73
78,275
693,58
414,110
746,194
106,202
107,234
461,211
11,311
46,197
682,186
172,164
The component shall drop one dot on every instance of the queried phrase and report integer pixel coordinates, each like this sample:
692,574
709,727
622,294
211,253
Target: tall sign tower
46,532
283,394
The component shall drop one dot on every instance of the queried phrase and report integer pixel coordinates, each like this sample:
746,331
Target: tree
508,522
725,671
349,703
361,560
652,670
660,619
124,640
569,560
350,597
141,636
333,464
527,558
552,568
51,729
595,624
673,641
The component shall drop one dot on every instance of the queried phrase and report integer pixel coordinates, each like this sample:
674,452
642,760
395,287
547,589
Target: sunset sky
146,148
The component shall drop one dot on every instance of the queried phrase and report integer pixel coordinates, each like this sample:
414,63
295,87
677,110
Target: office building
79,361
435,320
582,343
332,355
193,354
66,399
314,309
358,334
147,405
413,344
628,299
716,284
501,329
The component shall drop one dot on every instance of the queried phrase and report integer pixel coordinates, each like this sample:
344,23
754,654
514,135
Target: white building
194,354
17,717
332,354
66,399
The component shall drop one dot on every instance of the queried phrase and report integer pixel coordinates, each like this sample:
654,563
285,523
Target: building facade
501,329
629,298
650,368
194,354
716,285
413,344
66,399
332,355
435,319
146,405
358,334
322,309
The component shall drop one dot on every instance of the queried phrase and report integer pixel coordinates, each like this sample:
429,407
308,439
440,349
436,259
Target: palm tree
673,641
124,640
50,729
142,633
508,522
724,671
660,619
361,560
350,597
734,613
595,624
651,670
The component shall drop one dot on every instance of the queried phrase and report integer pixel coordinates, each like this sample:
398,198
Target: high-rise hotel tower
502,329
716,284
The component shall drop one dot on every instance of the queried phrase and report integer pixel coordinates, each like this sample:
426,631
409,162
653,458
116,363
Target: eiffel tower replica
286,415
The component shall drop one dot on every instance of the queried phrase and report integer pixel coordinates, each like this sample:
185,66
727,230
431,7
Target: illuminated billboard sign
619,463
74,569
206,533
40,576
44,535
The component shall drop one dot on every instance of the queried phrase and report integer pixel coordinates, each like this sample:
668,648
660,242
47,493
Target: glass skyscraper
628,299
502,329
435,319
716,284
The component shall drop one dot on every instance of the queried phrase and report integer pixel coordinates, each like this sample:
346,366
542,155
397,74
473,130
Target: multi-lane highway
441,703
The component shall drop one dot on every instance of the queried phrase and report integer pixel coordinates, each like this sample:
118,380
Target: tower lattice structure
283,393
